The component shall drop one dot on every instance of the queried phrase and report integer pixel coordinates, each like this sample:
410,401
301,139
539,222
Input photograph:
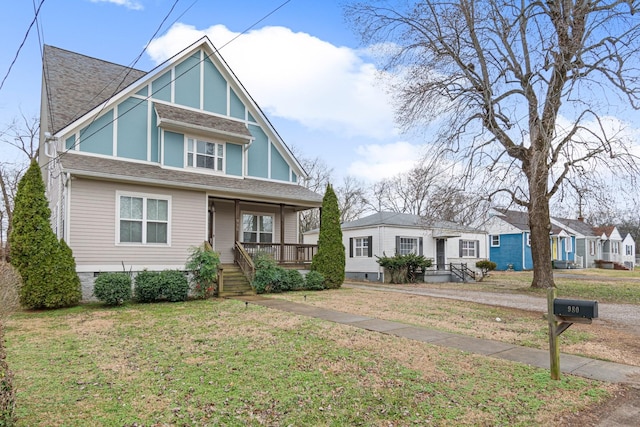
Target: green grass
221,363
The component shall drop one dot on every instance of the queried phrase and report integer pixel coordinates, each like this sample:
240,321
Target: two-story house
140,166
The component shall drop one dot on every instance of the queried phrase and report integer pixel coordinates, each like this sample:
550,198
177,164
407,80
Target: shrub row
271,278
149,286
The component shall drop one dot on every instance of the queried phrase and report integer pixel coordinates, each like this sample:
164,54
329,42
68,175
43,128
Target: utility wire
35,18
175,78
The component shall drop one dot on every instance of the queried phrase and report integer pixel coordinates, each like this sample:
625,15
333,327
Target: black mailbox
575,308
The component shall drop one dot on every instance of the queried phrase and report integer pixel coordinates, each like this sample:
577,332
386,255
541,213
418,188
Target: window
257,228
468,249
407,245
143,219
495,241
528,239
569,244
361,246
592,247
208,155
628,250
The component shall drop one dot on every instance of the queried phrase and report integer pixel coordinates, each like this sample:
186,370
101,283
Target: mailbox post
561,314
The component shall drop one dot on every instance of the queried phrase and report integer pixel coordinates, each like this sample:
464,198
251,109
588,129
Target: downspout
524,248
67,210
380,239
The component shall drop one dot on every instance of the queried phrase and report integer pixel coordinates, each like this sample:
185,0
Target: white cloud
129,4
379,161
297,77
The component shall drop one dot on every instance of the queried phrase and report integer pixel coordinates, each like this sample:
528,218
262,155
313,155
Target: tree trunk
540,224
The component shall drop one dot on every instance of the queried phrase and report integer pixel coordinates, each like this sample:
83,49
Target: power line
15,58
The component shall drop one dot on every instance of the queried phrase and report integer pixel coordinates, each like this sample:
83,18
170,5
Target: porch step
234,282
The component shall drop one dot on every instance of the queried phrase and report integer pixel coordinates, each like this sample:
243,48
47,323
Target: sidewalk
569,364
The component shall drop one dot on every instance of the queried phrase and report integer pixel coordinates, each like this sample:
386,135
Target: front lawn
218,362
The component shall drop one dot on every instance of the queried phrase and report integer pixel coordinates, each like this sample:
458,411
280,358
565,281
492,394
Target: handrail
244,261
462,272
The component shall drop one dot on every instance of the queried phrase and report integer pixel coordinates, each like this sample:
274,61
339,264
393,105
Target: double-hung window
257,228
361,246
143,219
468,249
205,154
407,245
495,241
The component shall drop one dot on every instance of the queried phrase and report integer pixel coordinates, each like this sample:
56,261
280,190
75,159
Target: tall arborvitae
45,267
330,259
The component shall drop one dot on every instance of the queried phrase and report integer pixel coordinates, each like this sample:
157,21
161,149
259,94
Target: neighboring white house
390,233
629,252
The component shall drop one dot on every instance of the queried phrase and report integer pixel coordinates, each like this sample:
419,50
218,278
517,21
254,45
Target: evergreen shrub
291,280
112,288
147,286
314,281
330,259
175,286
203,264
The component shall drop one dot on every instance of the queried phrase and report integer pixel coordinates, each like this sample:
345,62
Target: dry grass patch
515,326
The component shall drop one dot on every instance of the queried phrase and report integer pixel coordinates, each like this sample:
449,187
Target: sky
300,61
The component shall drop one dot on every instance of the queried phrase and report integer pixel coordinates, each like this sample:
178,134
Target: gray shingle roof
404,220
518,219
222,186
77,83
207,121
579,226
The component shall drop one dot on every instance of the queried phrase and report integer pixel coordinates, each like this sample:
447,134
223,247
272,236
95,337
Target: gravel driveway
618,315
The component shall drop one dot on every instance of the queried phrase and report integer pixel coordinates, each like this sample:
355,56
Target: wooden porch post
281,232
237,220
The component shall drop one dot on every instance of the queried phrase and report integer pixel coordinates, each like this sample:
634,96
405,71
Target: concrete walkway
569,364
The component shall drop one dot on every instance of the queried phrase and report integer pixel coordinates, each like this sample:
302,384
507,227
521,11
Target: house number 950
573,309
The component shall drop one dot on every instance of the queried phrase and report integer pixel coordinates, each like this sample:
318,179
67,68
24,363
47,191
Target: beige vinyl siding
224,229
93,227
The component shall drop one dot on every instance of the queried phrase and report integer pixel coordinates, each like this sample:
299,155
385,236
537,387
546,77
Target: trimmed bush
175,286
486,266
147,286
403,268
267,280
291,280
112,288
314,281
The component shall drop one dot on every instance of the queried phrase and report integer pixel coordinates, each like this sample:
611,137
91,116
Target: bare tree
21,134
352,199
319,175
523,87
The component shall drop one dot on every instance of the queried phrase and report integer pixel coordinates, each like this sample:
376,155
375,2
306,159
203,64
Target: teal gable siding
132,129
236,106
173,149
294,177
234,159
98,136
155,138
258,153
70,143
187,82
215,89
161,87
279,167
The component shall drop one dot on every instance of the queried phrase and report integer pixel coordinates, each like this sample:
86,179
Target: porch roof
180,119
247,189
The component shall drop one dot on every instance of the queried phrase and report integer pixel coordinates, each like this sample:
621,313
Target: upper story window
495,240
205,154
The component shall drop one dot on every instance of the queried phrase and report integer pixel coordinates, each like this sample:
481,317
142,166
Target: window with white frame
592,247
361,246
528,239
468,249
205,154
257,228
143,219
495,240
628,250
569,244
407,245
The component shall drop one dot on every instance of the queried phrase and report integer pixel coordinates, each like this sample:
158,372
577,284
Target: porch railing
284,253
244,261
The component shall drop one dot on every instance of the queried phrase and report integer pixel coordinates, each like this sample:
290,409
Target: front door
440,258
